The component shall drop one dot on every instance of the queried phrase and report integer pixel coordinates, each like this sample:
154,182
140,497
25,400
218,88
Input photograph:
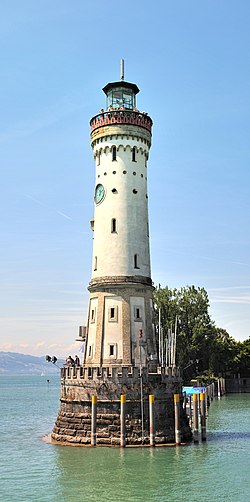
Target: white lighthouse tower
109,398
120,326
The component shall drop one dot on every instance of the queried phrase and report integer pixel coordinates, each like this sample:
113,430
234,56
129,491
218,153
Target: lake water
32,470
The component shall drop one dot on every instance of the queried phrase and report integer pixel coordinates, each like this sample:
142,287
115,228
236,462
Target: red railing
121,117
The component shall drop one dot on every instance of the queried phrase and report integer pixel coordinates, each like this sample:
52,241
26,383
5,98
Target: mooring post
190,410
177,419
122,418
93,420
219,388
185,402
203,416
195,418
151,419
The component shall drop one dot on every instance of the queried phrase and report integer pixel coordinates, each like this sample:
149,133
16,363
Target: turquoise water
32,470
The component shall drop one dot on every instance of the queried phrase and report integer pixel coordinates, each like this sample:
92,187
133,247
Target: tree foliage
199,344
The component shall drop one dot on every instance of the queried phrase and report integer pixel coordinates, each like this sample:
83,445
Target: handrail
111,117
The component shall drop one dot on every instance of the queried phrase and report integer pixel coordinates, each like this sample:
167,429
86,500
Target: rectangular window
137,313
114,153
95,263
92,315
136,261
133,154
89,350
113,226
113,313
112,350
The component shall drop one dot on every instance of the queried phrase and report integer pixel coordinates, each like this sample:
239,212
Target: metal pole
93,421
123,426
159,336
177,419
151,420
203,416
142,411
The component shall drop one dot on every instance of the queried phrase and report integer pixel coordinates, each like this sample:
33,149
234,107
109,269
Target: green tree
189,306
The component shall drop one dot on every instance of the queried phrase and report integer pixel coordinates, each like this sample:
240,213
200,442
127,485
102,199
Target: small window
137,313
98,159
135,191
92,315
141,175
134,173
136,261
113,313
89,350
114,190
105,174
113,226
111,350
124,172
95,264
133,154
114,172
114,153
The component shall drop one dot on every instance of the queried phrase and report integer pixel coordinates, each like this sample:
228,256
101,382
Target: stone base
73,423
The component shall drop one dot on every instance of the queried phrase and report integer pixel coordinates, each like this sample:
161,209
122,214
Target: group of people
72,362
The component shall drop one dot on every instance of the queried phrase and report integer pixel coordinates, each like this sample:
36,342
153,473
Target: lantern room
121,95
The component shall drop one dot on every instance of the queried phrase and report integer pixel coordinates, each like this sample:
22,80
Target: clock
99,193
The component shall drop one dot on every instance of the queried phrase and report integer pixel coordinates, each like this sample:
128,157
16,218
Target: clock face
99,193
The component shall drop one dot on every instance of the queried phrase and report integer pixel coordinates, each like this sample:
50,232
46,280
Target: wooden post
219,388
203,416
151,420
195,418
177,419
93,421
122,418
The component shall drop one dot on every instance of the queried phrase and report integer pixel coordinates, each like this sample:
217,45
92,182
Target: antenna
122,69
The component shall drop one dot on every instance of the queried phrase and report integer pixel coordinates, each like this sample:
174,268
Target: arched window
113,226
136,261
133,154
113,153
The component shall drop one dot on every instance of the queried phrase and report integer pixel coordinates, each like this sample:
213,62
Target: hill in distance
13,363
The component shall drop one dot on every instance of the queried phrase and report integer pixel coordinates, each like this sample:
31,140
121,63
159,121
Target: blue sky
191,62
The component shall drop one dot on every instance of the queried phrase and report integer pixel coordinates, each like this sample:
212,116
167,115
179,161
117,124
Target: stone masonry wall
73,423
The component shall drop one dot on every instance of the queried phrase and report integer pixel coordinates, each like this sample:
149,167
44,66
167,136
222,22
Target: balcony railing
121,117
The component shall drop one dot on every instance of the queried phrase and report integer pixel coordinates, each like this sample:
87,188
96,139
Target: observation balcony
129,117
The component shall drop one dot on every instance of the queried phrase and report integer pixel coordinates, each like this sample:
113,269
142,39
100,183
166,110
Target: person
77,361
70,361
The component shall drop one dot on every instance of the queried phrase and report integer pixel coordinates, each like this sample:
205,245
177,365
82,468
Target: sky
190,60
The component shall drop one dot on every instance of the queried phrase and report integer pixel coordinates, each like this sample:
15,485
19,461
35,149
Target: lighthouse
120,323
121,393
